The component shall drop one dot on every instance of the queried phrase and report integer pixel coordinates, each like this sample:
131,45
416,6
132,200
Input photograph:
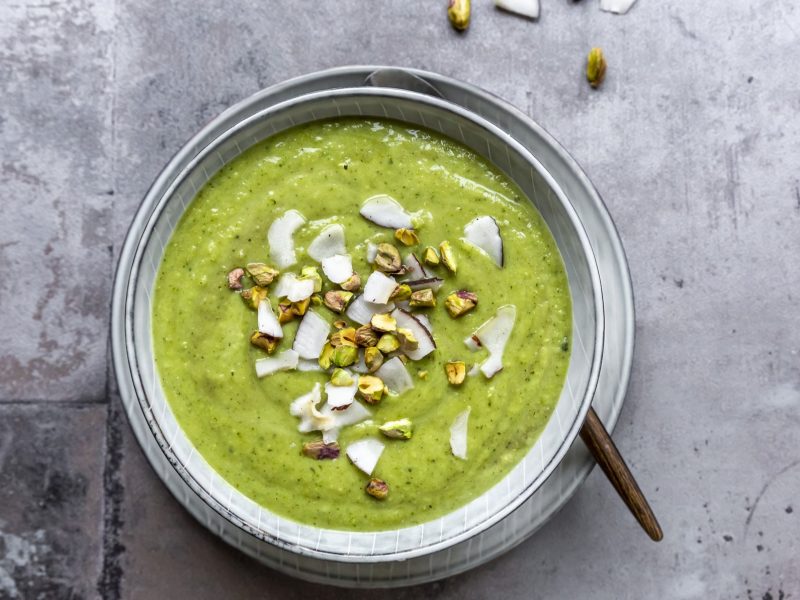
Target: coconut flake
493,335
484,234
268,323
281,242
353,414
426,282
458,434
294,288
311,336
619,7
526,8
476,368
284,361
340,396
426,322
379,288
426,345
360,366
395,376
361,311
311,419
372,252
385,211
365,453
473,343
331,435
329,242
307,365
415,270
338,268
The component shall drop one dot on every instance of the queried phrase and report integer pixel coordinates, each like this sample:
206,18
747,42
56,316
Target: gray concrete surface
694,142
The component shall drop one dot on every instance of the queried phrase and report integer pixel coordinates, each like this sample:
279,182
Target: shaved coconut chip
472,343
427,282
311,419
360,366
307,365
395,376
293,288
281,242
365,454
267,321
311,336
415,268
484,234
340,397
619,7
330,436
284,361
379,287
353,414
338,268
426,345
526,8
458,434
372,252
385,211
328,243
361,311
426,322
476,368
494,335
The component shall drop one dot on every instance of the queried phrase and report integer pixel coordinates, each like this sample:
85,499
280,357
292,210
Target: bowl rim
154,203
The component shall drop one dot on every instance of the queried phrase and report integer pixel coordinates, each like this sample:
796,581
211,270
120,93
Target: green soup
241,424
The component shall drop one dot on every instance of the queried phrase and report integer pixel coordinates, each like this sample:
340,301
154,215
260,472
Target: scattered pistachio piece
344,337
456,371
264,341
344,356
431,256
337,300
407,237
460,302
373,358
235,278
254,295
301,307
403,359
448,258
383,322
422,375
458,13
320,450
366,336
340,324
595,67
407,339
353,284
377,488
285,312
388,260
316,299
388,343
401,292
325,356
262,274
371,388
397,430
422,298
341,378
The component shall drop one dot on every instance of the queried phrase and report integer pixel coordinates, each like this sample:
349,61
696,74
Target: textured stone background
693,141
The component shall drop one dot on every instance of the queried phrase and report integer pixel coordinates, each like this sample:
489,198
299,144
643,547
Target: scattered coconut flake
484,234
526,8
284,361
372,252
361,311
415,270
472,343
458,434
268,323
379,288
353,414
619,7
311,419
426,345
365,453
476,368
307,365
426,322
281,242
426,282
494,335
340,397
311,336
360,365
293,288
338,268
331,435
329,242
385,211
395,376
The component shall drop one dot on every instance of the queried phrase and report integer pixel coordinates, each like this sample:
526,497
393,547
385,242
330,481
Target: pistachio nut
422,298
397,430
235,278
407,237
460,302
337,300
377,488
370,388
320,450
456,370
373,358
387,259
262,274
366,336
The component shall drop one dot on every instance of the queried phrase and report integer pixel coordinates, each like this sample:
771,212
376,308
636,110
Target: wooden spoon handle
602,447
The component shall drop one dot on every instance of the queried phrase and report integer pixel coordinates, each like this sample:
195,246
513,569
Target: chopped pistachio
407,237
371,388
353,284
262,274
448,258
366,336
403,359
458,13
320,450
337,300
340,324
344,337
407,339
373,358
254,295
344,356
235,278
313,274
456,370
301,307
595,67
422,298
383,322
325,356
388,343
316,299
460,302
397,430
285,312
264,341
431,256
422,375
341,378
377,488
387,259
401,292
